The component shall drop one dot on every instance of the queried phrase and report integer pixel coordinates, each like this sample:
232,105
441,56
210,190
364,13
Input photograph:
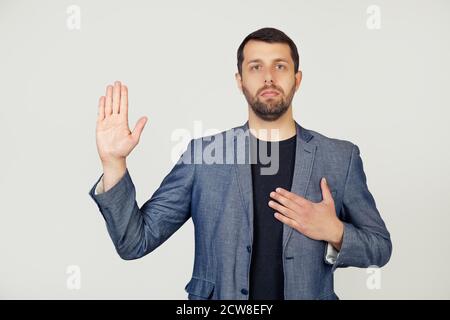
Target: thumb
138,128
326,192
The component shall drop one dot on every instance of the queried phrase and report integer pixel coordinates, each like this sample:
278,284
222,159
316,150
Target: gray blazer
218,197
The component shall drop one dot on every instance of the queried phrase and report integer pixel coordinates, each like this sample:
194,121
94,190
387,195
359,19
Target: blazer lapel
304,159
243,172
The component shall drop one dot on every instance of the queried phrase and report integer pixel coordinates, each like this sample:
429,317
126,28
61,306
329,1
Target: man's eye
280,66
254,67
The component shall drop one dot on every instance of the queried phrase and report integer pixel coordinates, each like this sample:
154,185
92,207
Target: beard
273,108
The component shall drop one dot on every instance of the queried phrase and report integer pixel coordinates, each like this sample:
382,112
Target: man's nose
268,78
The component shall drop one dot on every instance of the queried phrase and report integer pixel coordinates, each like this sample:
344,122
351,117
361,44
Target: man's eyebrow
276,60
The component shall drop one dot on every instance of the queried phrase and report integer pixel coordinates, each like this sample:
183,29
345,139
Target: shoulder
330,144
219,138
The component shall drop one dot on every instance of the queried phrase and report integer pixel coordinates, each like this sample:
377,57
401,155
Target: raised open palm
114,139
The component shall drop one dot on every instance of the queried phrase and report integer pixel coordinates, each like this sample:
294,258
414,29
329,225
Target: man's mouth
269,93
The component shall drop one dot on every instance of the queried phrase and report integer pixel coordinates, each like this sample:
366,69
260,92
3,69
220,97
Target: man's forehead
264,51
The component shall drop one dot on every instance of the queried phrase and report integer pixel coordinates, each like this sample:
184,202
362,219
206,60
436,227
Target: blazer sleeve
136,231
366,240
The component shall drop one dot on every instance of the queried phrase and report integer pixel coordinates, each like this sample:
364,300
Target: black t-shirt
266,269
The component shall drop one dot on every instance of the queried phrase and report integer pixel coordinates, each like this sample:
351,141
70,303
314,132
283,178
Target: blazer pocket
199,289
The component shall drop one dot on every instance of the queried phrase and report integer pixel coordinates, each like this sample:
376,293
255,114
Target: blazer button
249,249
244,291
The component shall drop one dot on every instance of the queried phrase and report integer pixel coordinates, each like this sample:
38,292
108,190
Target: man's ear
298,79
238,80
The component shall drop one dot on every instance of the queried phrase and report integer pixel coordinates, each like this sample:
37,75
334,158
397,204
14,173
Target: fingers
124,101
115,100
108,101
101,109
282,209
138,128
285,201
292,196
326,192
290,222
116,97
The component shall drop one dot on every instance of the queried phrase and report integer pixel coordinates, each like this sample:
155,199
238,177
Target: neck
284,127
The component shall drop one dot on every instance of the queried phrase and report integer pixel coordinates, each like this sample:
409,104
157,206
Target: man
268,225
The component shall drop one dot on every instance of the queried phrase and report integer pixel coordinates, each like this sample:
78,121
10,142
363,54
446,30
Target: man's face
268,79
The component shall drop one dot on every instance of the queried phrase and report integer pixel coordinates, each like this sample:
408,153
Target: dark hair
270,35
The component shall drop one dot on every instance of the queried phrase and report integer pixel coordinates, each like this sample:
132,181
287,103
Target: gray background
385,90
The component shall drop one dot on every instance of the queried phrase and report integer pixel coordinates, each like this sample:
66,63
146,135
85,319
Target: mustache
272,87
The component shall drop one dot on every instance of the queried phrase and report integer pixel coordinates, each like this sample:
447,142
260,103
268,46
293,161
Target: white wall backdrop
374,72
